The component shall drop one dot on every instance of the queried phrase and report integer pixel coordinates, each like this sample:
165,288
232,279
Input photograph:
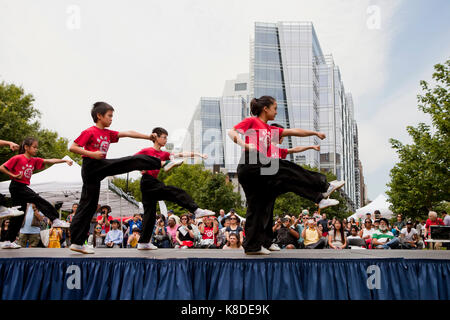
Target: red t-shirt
95,139
163,155
21,164
104,227
437,222
259,134
209,234
279,153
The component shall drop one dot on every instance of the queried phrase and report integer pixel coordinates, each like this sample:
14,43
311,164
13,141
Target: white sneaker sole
172,165
329,205
81,251
334,189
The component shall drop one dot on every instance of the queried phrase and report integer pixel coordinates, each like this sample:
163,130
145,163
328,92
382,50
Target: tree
20,119
420,180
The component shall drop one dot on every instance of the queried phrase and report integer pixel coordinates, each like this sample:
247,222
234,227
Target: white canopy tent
380,203
63,183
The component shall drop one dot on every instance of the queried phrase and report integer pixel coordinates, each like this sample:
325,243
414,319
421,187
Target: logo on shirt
27,171
103,144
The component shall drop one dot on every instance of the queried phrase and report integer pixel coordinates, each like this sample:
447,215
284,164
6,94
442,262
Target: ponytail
257,105
27,142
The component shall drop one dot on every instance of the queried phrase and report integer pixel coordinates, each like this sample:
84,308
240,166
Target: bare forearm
234,135
299,149
54,161
79,150
6,171
133,134
297,132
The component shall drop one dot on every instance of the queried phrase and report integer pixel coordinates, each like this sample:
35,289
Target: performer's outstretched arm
297,132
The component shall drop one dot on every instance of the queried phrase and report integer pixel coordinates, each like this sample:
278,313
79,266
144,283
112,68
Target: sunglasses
233,219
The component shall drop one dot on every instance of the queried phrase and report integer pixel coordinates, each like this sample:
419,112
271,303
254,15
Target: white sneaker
325,203
83,249
274,247
10,212
200,213
146,246
10,245
60,224
334,185
172,164
260,252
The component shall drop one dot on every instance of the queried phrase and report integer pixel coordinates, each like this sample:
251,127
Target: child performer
281,153
20,168
154,190
264,178
8,212
93,144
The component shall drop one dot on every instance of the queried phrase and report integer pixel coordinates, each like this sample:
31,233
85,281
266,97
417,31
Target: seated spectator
377,214
337,239
234,243
433,220
313,237
409,237
30,233
135,221
209,230
376,224
195,229
114,237
368,216
74,210
54,237
133,239
185,235
4,230
398,225
221,236
161,238
383,238
326,224
171,228
300,225
348,228
97,239
105,219
221,217
354,239
234,227
286,236
367,232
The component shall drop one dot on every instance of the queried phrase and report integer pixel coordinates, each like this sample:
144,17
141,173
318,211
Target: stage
208,274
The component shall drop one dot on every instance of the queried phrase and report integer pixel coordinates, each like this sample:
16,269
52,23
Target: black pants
154,190
93,172
2,200
21,195
262,190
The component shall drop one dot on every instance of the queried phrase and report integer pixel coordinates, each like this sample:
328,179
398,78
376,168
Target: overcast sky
153,60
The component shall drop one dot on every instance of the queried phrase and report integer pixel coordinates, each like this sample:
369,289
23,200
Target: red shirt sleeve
39,163
166,156
276,136
83,139
283,153
427,225
114,136
244,125
440,222
10,164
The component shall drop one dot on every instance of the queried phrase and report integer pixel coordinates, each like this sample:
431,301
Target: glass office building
287,63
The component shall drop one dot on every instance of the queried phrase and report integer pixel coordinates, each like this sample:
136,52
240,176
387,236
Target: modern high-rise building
287,63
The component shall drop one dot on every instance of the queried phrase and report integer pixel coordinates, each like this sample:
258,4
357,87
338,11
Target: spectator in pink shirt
172,227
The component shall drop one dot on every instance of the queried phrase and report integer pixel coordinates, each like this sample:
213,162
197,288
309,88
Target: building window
240,86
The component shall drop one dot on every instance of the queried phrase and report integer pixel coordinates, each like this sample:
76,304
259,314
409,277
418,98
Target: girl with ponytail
264,177
20,168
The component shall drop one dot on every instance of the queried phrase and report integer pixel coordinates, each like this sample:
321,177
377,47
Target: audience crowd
226,231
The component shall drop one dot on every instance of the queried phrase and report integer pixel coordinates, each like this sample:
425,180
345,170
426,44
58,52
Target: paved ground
227,254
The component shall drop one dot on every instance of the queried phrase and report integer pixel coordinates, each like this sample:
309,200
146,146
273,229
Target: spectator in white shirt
367,232
409,237
114,237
